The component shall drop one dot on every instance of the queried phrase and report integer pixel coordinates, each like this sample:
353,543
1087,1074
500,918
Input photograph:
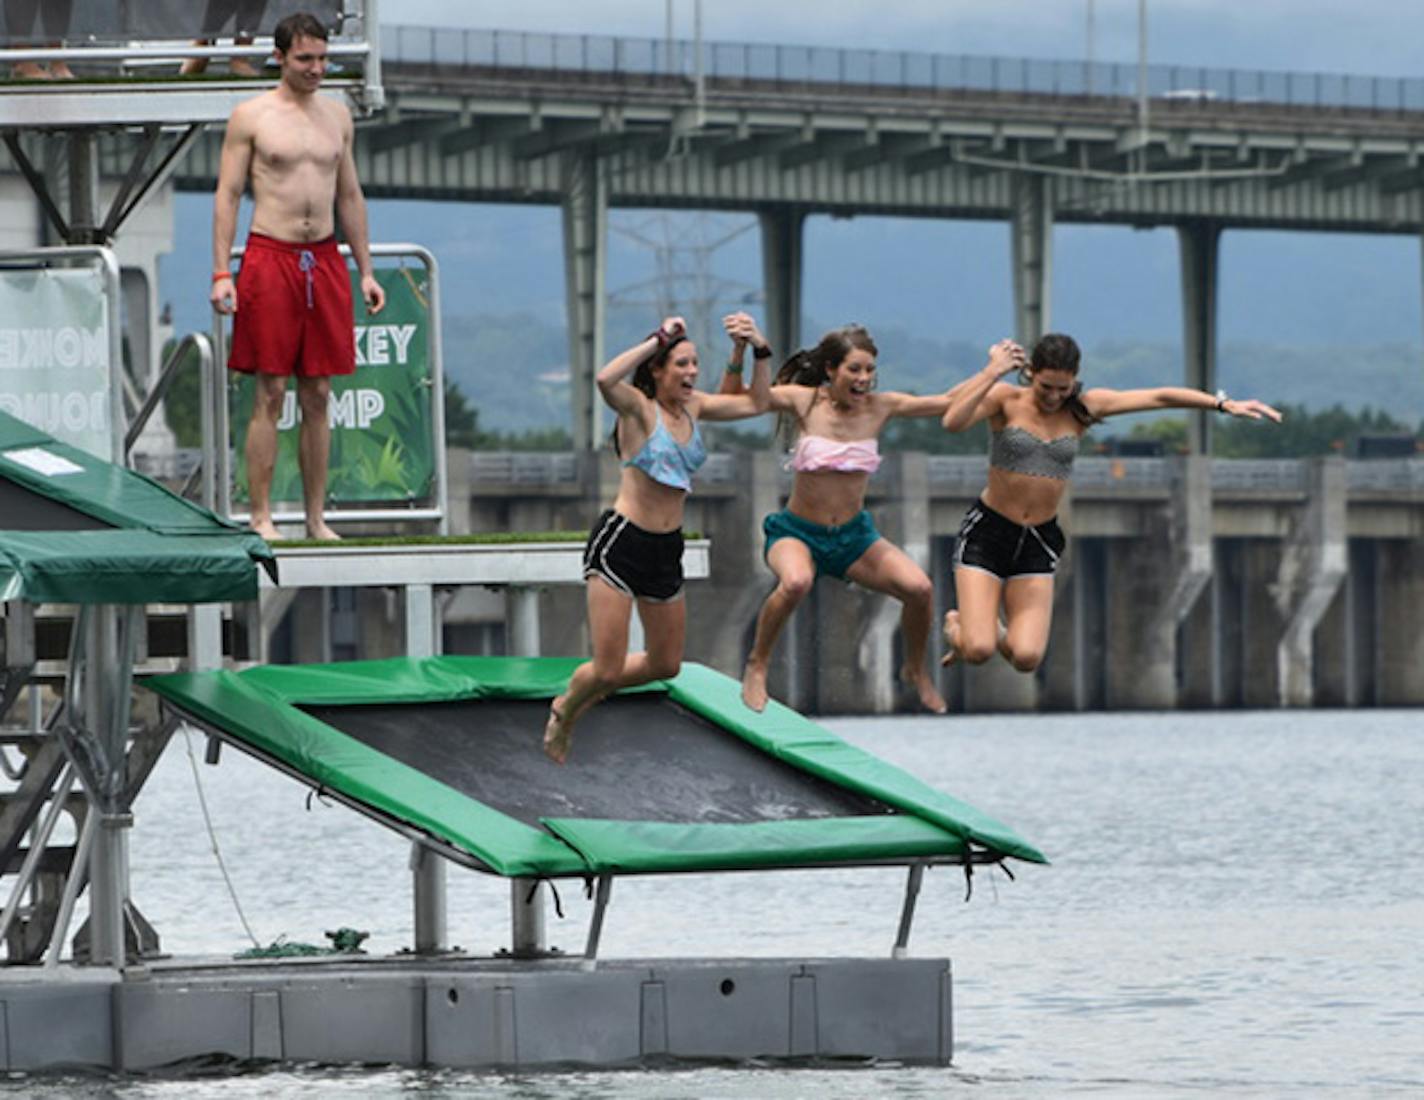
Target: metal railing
952,474
897,70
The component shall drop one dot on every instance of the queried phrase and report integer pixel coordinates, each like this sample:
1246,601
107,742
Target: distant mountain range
1308,318
513,368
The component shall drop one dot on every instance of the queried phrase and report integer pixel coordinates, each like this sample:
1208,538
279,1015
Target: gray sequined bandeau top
1022,452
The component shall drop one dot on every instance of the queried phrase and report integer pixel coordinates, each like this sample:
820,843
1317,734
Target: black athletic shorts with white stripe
645,565
991,542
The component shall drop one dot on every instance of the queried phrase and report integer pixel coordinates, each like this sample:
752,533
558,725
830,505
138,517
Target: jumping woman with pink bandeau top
1010,541
830,393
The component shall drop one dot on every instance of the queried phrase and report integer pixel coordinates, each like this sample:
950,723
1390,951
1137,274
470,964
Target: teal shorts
833,549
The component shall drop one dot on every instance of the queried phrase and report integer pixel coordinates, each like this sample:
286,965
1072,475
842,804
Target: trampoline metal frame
602,881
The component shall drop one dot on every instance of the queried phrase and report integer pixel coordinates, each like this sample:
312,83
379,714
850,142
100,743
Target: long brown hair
1056,351
812,367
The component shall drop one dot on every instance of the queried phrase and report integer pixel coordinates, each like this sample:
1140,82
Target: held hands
669,332
743,330
1250,409
1006,358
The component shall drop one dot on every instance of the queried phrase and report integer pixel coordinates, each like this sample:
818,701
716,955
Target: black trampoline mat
634,758
24,509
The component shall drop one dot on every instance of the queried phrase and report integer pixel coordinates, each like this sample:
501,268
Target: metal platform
478,1012
448,563
120,103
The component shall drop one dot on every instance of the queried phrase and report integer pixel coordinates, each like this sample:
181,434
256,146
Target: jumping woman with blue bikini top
1009,543
634,552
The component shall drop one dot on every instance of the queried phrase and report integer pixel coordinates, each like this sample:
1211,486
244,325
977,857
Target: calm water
1236,907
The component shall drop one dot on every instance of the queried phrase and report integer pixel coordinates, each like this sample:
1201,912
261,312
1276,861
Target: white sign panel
54,354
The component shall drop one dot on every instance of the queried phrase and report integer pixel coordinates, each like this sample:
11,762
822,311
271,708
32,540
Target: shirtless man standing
292,297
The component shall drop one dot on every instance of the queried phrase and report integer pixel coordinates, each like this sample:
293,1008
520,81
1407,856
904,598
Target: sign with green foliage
382,421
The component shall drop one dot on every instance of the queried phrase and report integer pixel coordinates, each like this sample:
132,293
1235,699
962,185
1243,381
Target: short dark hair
301,24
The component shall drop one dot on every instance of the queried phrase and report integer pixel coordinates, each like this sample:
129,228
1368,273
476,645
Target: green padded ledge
662,846
159,548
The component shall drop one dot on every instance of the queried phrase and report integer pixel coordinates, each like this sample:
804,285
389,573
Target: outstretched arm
612,380
975,399
737,404
1104,402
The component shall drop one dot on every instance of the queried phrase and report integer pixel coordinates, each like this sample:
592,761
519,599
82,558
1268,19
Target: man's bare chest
286,144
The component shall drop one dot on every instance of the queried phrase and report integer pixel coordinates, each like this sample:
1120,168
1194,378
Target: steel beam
1031,242
1200,246
585,218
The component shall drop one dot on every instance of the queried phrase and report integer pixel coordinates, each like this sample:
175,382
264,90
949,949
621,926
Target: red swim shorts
294,312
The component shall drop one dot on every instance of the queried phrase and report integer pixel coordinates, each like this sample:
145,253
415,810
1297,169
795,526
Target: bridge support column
1156,582
1312,565
740,579
1400,652
1031,237
857,648
585,210
1062,681
1200,246
782,259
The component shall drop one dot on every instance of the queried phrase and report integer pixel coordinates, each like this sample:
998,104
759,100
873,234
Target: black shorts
642,564
993,543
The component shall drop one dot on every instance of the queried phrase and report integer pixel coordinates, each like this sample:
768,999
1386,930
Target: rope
213,838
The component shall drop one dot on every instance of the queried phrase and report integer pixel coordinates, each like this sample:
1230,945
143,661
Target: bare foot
29,70
951,639
192,66
241,67
268,530
754,686
58,70
317,529
558,734
930,698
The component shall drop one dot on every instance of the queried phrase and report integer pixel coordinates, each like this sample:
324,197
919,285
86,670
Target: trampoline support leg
428,872
907,911
595,926
526,918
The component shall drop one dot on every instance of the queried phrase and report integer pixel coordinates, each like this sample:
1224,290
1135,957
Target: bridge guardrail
908,70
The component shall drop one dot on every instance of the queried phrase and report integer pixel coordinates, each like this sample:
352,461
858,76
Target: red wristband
221,275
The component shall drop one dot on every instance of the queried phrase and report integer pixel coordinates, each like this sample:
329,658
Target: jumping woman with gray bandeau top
1010,542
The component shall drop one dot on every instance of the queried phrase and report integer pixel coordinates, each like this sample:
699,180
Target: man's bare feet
58,70
268,530
754,686
29,70
558,734
951,639
317,529
930,698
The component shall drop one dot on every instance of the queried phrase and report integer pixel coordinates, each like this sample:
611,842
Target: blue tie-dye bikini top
667,461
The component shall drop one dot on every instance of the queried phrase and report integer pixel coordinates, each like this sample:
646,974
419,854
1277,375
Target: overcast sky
1374,37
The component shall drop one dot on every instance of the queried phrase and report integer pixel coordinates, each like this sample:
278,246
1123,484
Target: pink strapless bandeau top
814,453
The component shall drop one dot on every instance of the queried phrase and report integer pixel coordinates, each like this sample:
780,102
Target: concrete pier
1188,581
